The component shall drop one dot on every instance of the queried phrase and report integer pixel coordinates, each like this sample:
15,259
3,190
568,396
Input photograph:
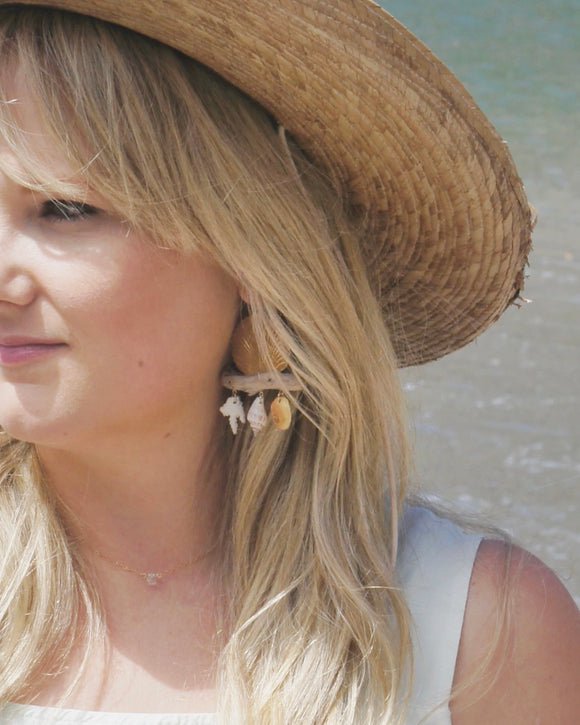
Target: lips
20,350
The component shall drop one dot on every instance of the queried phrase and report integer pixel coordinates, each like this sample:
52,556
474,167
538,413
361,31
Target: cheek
173,322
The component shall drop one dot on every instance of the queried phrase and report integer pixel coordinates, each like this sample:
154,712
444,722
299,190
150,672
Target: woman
160,553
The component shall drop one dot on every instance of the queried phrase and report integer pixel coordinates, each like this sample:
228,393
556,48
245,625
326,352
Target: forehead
30,153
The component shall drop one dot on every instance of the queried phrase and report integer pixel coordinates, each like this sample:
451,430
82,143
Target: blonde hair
319,629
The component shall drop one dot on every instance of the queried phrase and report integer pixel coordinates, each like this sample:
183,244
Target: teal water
497,424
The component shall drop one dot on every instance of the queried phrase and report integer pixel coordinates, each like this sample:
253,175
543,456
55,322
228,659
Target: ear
244,293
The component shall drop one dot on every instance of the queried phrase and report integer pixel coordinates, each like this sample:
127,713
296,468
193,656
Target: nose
17,285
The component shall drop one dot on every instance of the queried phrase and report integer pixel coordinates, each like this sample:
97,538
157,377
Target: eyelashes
66,210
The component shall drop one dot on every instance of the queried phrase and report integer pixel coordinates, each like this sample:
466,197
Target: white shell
257,414
233,409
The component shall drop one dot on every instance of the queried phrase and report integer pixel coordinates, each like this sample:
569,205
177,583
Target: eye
66,210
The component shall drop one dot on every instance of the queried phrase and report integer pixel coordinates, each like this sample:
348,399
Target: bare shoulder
519,657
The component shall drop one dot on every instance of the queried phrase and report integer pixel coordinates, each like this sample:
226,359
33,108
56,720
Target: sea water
497,423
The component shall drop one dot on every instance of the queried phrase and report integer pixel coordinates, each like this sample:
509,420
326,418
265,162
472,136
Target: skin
534,680
123,412
123,409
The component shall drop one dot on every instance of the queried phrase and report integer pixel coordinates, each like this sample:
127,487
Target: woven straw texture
447,225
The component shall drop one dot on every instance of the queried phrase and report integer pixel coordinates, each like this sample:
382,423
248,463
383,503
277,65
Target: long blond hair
319,629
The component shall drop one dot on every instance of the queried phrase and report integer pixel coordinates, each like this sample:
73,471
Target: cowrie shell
281,412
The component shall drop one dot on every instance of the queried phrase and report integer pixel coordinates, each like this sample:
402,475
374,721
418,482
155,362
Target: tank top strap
434,566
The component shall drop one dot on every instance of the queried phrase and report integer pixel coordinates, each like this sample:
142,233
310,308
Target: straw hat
447,225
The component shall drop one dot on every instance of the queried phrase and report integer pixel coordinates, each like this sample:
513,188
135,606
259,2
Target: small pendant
233,409
281,412
257,414
152,578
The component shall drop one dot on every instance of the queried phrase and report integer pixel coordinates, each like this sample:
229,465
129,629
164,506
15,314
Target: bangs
100,101
37,51
33,169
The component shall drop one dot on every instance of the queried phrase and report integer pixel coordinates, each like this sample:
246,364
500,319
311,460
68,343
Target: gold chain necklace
153,578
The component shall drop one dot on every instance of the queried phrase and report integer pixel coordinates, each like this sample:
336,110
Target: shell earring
280,411
233,409
246,354
254,379
257,413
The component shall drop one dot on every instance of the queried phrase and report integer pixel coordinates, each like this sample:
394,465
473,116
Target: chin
35,414
21,430
26,427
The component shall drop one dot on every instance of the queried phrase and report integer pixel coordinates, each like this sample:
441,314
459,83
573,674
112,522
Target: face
100,331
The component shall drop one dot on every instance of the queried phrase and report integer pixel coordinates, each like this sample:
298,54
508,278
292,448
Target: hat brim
447,225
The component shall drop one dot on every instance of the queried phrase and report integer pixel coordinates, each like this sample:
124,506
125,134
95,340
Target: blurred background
497,424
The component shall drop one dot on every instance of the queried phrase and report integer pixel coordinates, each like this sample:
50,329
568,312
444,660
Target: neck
150,503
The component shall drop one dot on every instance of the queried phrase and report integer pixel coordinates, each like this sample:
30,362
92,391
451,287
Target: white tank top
435,562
